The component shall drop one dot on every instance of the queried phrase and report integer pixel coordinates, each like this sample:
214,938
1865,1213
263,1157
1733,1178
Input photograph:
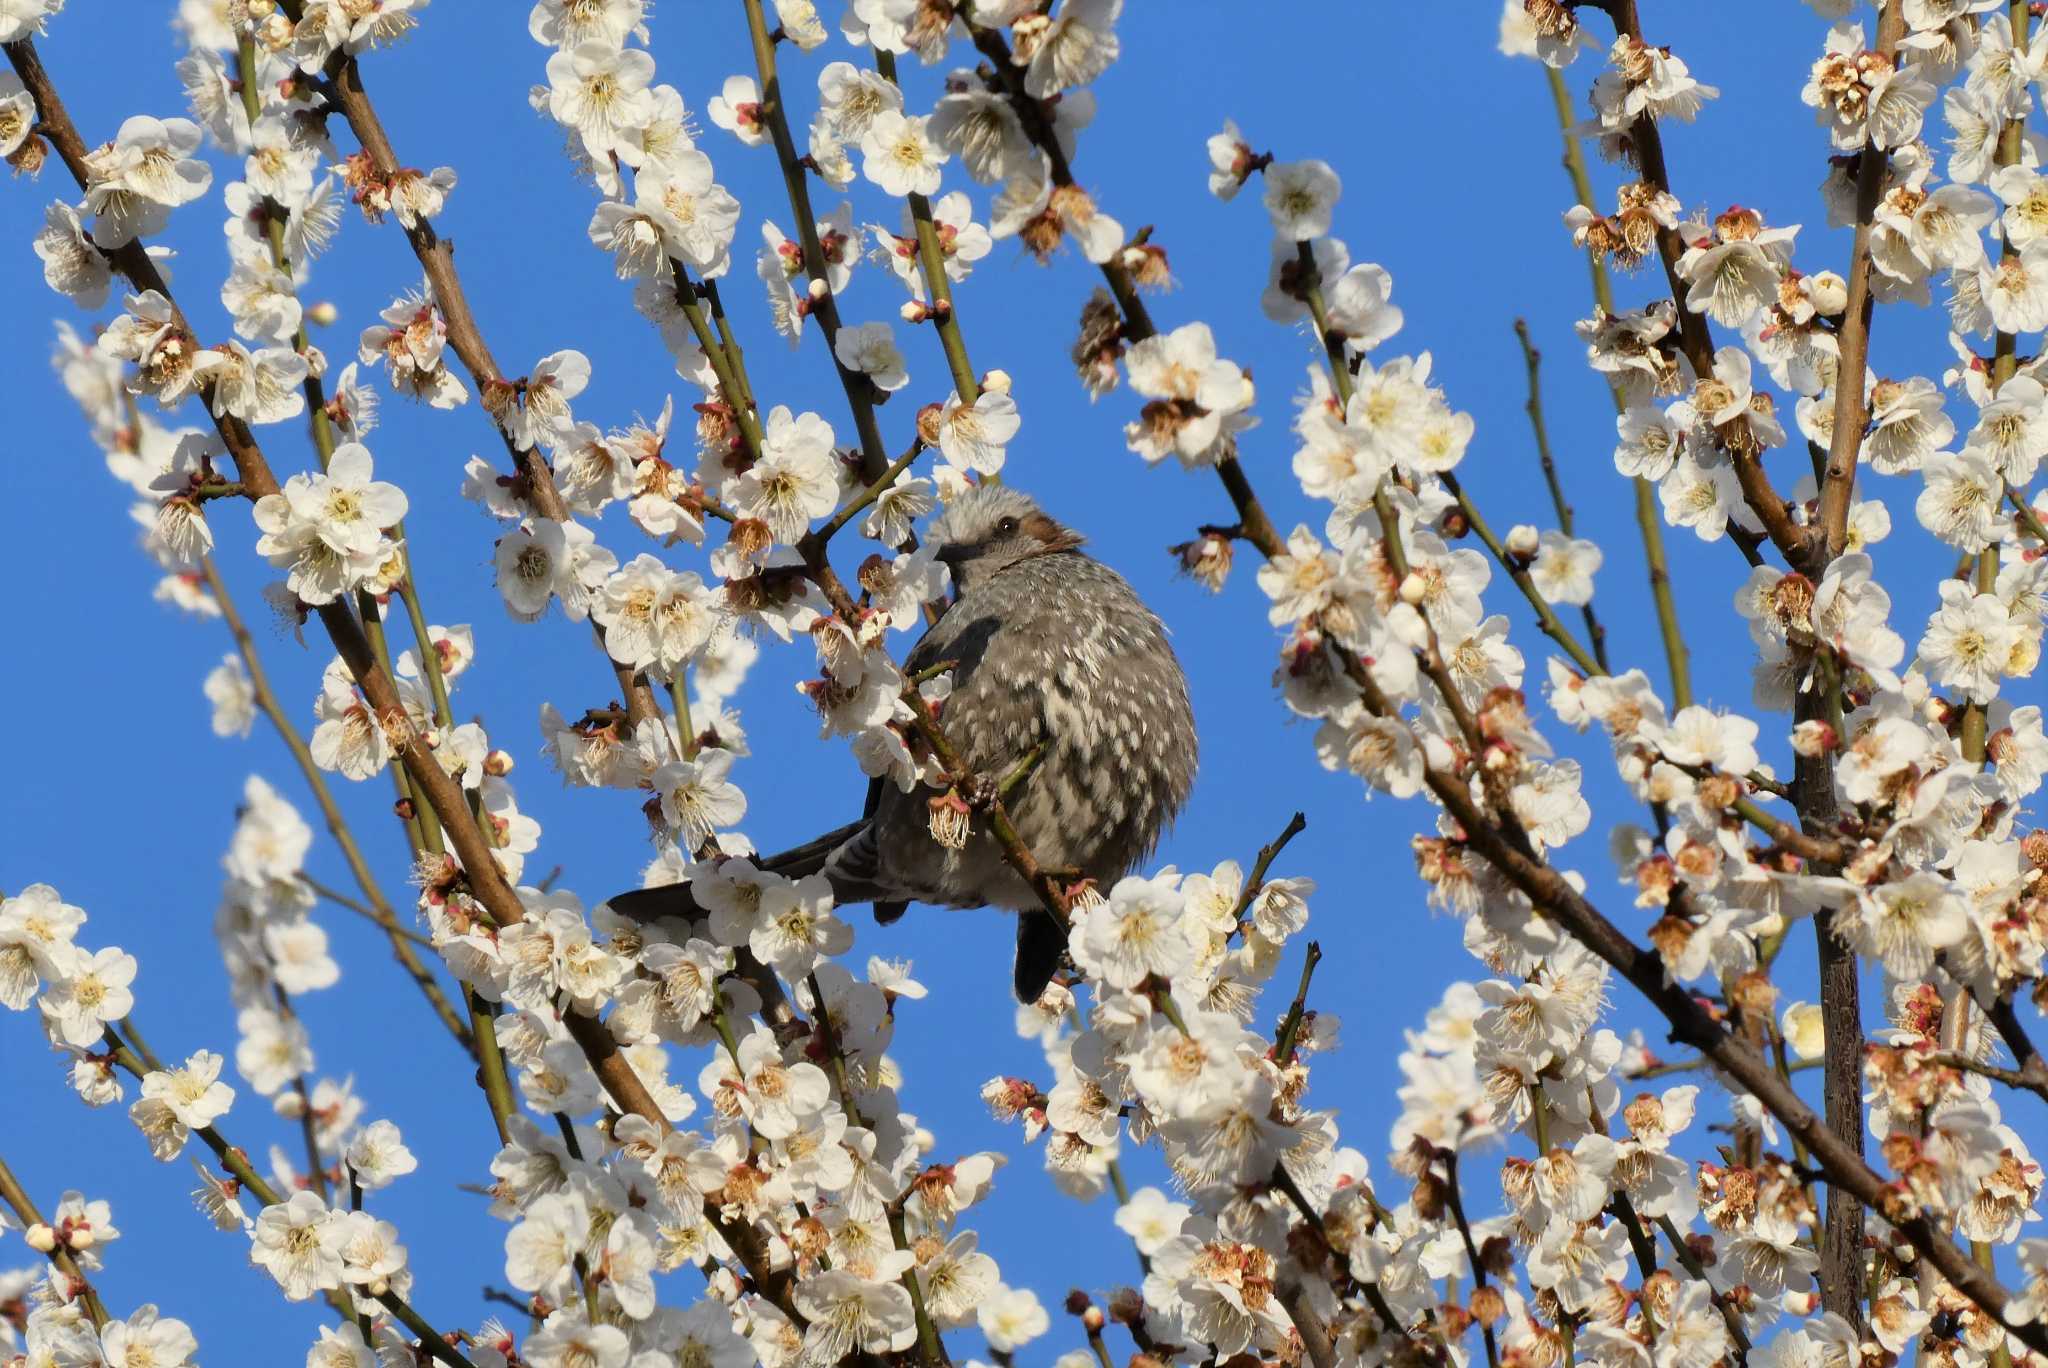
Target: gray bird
1053,650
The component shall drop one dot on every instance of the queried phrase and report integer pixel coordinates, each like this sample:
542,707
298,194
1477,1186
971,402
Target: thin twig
375,906
1255,882
492,897
1532,360
17,1200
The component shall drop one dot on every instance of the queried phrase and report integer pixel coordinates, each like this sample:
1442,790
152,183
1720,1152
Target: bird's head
991,527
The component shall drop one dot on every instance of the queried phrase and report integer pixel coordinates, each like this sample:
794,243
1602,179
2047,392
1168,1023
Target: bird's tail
1040,943
812,857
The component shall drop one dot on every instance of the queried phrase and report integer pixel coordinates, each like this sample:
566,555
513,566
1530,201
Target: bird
1056,662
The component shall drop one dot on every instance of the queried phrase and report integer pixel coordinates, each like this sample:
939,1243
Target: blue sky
121,797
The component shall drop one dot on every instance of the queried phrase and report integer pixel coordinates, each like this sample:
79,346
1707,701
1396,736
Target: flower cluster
750,1122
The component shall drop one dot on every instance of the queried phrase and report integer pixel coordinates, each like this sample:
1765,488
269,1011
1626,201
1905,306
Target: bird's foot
979,791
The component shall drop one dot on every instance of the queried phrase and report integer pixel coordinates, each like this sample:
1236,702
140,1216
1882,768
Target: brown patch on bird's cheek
1043,529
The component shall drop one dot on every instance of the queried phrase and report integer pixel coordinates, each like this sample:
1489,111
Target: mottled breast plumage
1056,649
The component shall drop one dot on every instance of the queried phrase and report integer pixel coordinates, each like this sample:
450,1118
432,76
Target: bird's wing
998,636
854,871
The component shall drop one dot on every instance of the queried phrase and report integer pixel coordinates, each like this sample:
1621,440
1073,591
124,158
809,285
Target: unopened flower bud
1429,1197
41,1238
498,764
323,313
1829,293
914,311
1813,738
79,1237
1804,1030
1523,540
1802,1303
1414,589
259,10
817,289
1092,1320
996,382
1935,710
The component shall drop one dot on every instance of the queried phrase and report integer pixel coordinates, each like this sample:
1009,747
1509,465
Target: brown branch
1695,337
1518,572
1255,882
861,394
1290,1026
2035,1083
1456,1202
1845,441
486,884
1841,1259
1649,521
2032,1069
375,906
1315,1335
436,256
1545,887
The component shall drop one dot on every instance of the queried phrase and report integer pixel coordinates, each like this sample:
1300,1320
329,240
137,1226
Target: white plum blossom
299,1243
86,993
974,437
696,797
1198,400
870,349
599,89
1300,198
899,155
1970,642
1564,567
1137,933
233,697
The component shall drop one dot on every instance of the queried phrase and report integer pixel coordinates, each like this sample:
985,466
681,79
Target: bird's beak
952,556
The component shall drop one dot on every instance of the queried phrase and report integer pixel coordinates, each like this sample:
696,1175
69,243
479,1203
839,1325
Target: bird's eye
1006,527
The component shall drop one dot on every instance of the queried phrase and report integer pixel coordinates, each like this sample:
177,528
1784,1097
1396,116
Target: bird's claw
980,791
